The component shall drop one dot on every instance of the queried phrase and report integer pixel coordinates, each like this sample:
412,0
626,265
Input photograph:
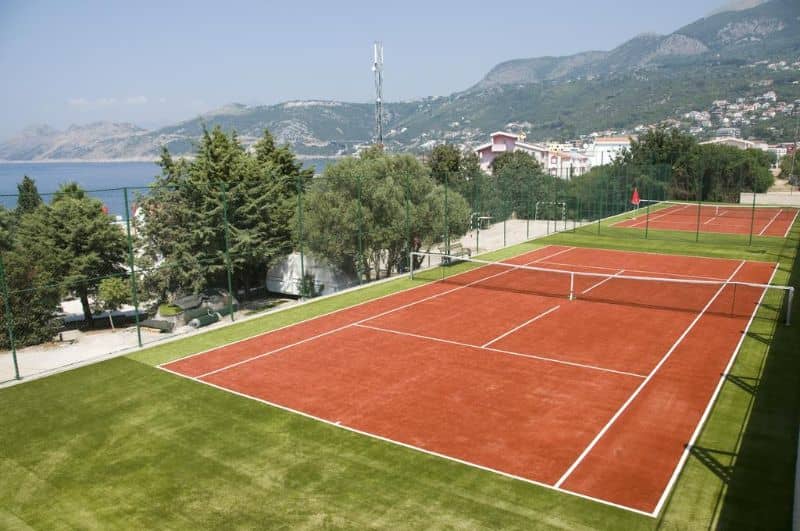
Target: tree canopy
112,293
29,198
76,241
708,172
391,201
790,168
190,204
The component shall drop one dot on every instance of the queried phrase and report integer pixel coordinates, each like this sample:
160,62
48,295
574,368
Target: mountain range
645,80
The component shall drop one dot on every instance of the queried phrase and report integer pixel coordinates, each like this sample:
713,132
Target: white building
738,143
607,148
561,163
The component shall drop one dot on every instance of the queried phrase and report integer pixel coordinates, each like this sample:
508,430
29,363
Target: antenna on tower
377,68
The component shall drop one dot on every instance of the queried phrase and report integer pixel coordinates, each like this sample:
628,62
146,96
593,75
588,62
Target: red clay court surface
593,397
769,221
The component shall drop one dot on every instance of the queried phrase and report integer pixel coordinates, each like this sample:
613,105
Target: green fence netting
148,261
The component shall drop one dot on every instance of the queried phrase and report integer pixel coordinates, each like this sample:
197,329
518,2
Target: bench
457,250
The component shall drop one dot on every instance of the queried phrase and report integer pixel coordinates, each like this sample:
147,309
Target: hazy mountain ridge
648,78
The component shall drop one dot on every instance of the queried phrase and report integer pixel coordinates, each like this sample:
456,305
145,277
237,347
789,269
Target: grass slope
121,444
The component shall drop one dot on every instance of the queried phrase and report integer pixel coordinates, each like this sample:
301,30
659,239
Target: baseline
649,377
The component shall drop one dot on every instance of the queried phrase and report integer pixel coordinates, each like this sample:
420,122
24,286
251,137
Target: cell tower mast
377,68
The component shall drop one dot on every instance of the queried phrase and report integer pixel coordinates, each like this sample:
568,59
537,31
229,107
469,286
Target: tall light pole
377,68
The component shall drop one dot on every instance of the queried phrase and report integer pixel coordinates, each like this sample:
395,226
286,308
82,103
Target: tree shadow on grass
746,383
761,481
715,461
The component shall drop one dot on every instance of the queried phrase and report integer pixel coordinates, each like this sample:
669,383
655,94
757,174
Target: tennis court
728,219
583,370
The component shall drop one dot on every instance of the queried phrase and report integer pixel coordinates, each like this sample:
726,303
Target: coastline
139,159
76,161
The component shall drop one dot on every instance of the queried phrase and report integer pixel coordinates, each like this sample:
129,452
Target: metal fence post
478,197
300,235
506,212
407,194
446,215
132,265
752,216
699,207
9,318
227,249
528,213
360,259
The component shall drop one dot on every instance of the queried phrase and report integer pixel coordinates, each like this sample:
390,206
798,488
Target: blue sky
154,63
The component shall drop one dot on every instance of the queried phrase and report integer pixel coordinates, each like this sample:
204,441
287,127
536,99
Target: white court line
711,402
501,351
658,254
529,321
326,314
789,228
562,251
770,222
369,318
596,284
338,424
653,218
646,271
649,377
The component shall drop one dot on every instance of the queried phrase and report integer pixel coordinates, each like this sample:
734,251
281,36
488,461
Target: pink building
558,163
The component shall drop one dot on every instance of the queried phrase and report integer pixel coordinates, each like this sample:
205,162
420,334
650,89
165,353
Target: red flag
635,197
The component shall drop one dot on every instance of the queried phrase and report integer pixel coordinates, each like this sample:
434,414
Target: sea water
99,176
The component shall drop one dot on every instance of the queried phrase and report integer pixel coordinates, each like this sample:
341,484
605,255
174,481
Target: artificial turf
121,444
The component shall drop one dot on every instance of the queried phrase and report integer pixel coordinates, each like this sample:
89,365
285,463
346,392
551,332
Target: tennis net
671,292
707,210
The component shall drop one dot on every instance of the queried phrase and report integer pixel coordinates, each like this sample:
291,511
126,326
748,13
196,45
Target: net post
564,214
572,286
789,306
411,265
647,221
9,318
132,265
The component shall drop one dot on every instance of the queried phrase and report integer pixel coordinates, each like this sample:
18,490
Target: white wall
284,277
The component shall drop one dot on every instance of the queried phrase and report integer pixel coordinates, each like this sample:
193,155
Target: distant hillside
765,31
644,80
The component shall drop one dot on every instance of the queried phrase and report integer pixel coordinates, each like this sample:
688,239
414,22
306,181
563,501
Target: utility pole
377,68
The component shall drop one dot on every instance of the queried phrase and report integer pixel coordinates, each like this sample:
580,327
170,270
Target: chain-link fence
87,273
653,202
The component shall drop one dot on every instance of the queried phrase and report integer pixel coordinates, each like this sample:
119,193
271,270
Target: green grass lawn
121,444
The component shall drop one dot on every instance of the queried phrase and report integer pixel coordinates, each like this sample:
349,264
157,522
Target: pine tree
77,240
185,214
29,198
